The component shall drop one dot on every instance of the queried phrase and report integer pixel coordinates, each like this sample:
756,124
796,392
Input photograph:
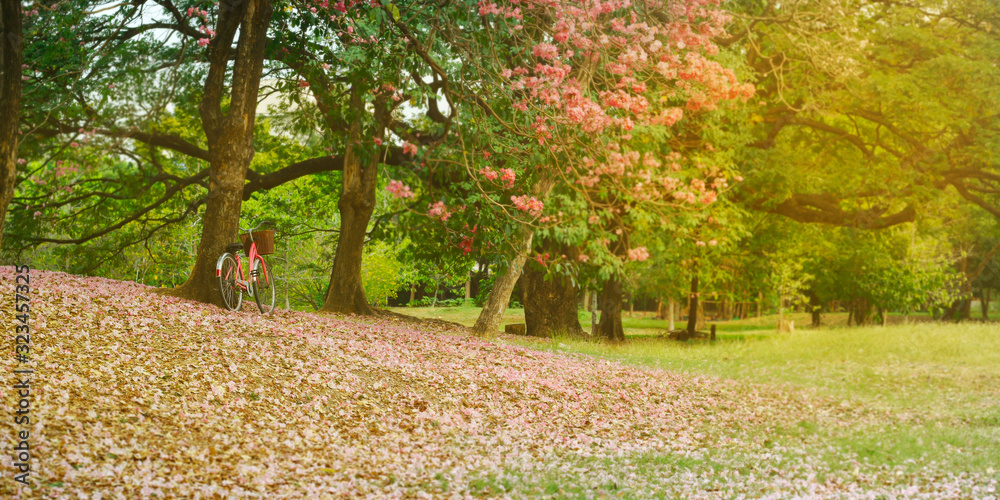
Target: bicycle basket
264,240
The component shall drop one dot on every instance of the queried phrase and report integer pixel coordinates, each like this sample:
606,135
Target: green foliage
872,108
788,279
381,273
909,282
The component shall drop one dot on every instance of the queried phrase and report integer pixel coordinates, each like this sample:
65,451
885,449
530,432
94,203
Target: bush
380,273
429,302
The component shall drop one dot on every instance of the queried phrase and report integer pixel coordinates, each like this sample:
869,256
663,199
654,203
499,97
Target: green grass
940,383
638,323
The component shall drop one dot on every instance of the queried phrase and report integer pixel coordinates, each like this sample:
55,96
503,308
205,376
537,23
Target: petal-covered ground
137,395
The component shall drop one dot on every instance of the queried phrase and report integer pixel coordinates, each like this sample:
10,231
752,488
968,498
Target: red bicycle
259,281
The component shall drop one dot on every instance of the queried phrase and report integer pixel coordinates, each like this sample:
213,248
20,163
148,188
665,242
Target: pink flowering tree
383,96
598,95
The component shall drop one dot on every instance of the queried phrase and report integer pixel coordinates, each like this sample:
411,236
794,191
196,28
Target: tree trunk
961,308
288,282
760,298
230,136
346,294
468,289
610,326
862,312
593,313
550,306
984,303
700,325
781,313
816,307
693,308
671,306
488,322
10,101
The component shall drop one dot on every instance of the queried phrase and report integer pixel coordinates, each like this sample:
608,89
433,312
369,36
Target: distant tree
870,109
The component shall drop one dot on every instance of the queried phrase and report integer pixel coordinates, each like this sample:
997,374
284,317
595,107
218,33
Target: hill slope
137,395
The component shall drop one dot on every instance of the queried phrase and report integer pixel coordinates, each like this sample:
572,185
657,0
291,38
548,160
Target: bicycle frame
241,278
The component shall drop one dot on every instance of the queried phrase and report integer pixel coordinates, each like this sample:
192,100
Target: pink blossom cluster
62,171
527,204
638,254
545,51
203,16
487,8
659,69
506,175
438,210
489,173
668,117
399,190
410,149
542,259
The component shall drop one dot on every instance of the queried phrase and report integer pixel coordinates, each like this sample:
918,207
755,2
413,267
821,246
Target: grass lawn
939,382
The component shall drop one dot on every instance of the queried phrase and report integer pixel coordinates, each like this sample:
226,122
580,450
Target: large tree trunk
346,294
550,306
10,101
610,326
984,303
488,322
229,134
862,311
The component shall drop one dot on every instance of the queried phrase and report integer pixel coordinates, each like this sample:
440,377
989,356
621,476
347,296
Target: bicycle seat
234,247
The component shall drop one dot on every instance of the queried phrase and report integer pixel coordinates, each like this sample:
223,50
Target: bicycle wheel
264,285
227,269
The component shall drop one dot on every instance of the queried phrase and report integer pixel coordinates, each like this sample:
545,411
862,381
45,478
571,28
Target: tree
229,132
10,100
853,131
790,283
595,97
151,196
361,67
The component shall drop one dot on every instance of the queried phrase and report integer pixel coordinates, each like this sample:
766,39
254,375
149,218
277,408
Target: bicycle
259,281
